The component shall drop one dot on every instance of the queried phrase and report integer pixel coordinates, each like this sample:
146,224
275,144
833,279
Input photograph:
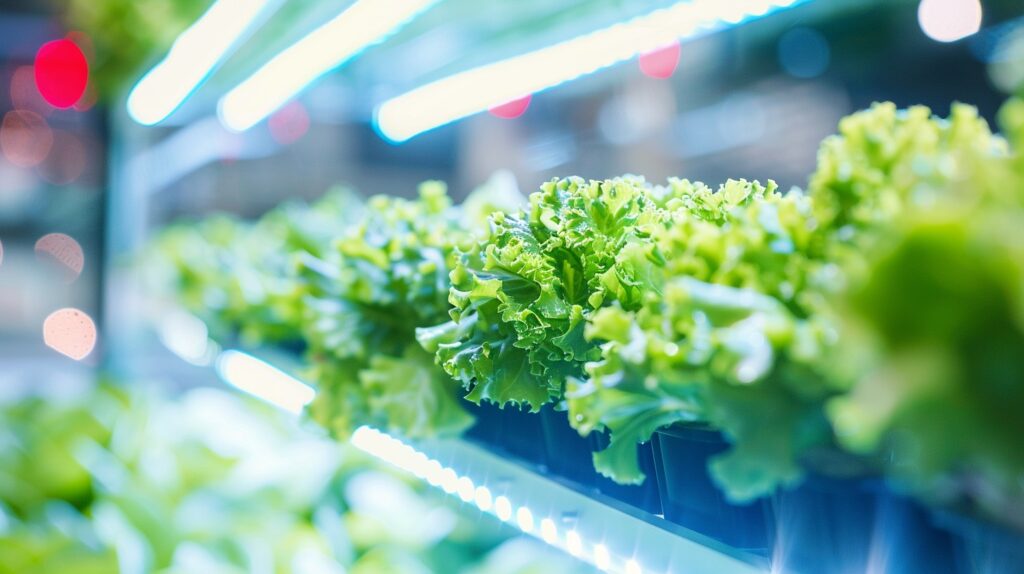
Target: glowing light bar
192,57
482,88
363,24
262,380
405,457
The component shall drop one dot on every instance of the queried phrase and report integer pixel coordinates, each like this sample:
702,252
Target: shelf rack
610,535
601,533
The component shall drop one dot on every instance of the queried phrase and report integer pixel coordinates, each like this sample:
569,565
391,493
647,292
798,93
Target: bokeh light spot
87,101
66,161
949,20
289,124
70,332
24,94
63,252
513,109
661,63
25,138
804,53
62,73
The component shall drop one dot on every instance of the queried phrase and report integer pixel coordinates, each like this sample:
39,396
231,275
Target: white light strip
482,88
192,57
407,458
263,380
363,24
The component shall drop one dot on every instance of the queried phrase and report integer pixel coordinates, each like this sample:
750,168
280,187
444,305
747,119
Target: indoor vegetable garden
382,286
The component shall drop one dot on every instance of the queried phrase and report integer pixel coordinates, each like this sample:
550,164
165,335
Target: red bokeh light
289,124
513,109
62,73
661,63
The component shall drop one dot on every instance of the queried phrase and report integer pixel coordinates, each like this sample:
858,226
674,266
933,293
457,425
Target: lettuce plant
387,277
521,295
729,339
936,322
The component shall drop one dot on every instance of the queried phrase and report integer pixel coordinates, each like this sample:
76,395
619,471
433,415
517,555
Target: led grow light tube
192,57
407,458
473,91
363,24
263,380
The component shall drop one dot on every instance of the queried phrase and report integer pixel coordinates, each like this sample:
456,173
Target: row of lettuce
875,318
127,480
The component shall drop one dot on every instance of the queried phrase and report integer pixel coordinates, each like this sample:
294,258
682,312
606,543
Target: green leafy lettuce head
939,319
520,296
884,159
727,340
239,276
387,277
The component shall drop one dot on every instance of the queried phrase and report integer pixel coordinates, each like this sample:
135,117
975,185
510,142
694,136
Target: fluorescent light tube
364,23
192,57
479,89
263,380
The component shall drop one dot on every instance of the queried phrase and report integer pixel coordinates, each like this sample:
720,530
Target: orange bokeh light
63,252
25,138
25,95
70,332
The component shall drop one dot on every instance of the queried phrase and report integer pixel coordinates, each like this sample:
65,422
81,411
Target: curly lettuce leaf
729,332
520,297
387,277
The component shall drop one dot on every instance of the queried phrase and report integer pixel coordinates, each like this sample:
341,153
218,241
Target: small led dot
573,543
633,567
434,473
466,489
525,519
419,465
483,498
503,508
548,531
449,480
601,558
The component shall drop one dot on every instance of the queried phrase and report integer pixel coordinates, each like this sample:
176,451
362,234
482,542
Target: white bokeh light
548,531
503,508
949,20
602,559
573,543
524,518
466,489
483,498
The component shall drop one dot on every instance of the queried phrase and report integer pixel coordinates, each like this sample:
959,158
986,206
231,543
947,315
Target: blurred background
109,132
119,116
